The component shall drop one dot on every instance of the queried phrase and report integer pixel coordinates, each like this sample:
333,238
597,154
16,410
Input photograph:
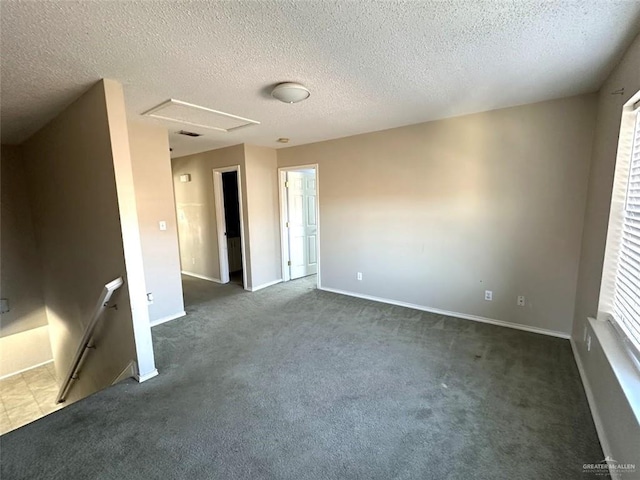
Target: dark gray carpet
294,383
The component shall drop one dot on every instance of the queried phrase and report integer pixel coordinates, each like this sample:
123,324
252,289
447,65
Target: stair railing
87,337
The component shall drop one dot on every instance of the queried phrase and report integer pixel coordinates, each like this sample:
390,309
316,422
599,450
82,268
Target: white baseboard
264,285
144,378
201,277
25,369
597,420
465,316
168,318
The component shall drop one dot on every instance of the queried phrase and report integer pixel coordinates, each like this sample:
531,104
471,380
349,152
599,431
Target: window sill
623,366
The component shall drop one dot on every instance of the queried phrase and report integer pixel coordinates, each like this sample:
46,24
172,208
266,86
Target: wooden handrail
87,337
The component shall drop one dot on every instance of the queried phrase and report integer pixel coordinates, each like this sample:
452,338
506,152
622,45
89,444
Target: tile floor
27,396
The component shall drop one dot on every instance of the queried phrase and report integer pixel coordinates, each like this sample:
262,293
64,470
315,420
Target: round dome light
290,92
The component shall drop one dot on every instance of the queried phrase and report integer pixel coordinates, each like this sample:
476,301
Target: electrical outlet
150,298
488,295
521,300
193,261
359,276
4,305
588,343
163,225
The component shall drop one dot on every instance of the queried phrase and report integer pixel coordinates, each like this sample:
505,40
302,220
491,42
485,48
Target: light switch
163,225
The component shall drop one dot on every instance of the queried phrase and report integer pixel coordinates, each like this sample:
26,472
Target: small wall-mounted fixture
290,92
185,178
283,140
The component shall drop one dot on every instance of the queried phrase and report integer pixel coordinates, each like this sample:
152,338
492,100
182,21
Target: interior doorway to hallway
299,222
229,214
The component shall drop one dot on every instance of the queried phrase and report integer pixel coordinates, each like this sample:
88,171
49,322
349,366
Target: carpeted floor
294,383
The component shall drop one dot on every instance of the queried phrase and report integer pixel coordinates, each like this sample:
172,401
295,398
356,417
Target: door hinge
286,184
289,263
286,224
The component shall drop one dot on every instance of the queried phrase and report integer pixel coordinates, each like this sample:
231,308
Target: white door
302,223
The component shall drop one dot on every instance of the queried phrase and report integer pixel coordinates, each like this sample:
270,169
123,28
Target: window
626,302
620,292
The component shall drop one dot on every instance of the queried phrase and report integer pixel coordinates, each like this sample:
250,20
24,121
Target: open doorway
228,205
299,219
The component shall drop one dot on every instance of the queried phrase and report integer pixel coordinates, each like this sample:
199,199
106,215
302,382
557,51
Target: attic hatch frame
153,113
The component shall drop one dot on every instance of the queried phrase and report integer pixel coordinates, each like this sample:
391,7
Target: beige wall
435,214
196,209
24,331
154,199
20,268
77,213
621,429
25,350
197,217
263,215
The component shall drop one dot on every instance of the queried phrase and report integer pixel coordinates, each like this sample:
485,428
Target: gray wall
155,202
620,424
24,331
435,214
77,218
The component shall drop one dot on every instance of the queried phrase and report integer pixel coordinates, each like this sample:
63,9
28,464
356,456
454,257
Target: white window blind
626,299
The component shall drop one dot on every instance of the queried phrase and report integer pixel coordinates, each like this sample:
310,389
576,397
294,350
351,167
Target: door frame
221,223
284,234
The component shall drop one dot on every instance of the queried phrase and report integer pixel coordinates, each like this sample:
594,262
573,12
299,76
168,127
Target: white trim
146,377
284,243
264,285
216,280
168,318
597,420
284,235
622,362
221,228
172,101
465,316
201,277
25,369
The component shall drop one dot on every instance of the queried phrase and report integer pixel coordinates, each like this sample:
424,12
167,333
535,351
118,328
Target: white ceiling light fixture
290,92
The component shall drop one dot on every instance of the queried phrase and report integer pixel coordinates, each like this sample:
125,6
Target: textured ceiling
369,65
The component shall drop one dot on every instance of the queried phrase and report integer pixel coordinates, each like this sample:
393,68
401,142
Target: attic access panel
197,116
